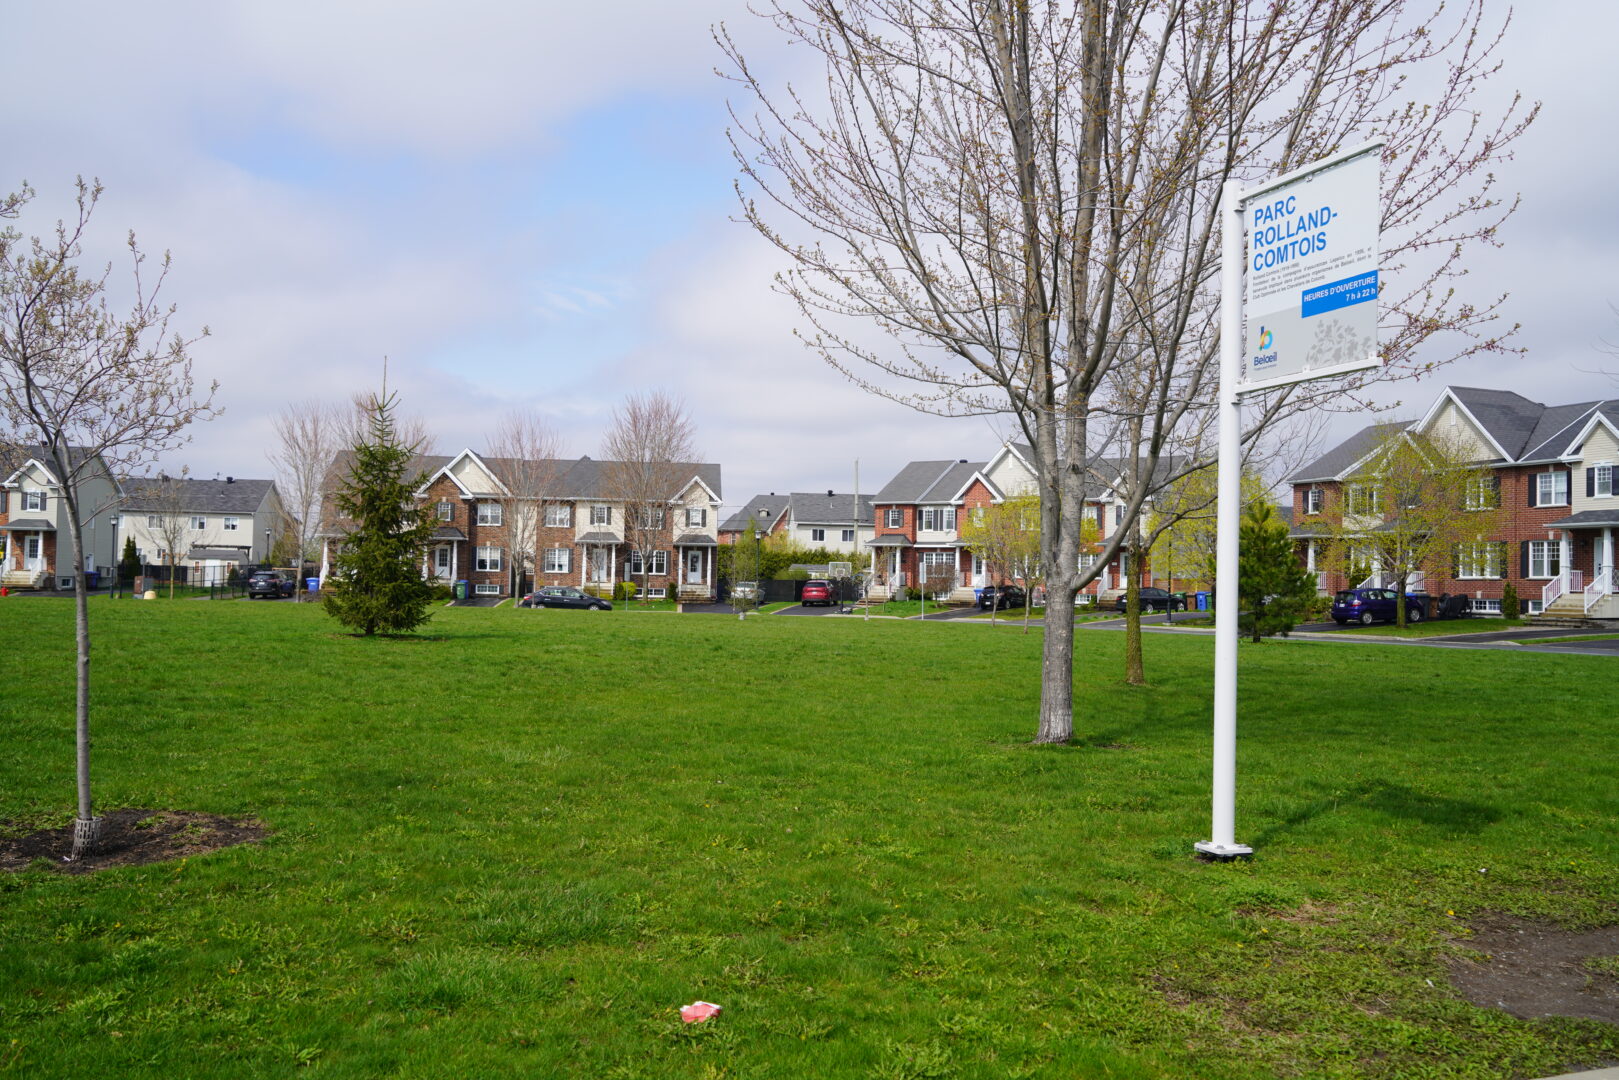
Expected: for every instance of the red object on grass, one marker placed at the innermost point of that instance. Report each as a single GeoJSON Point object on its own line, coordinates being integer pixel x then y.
{"type": "Point", "coordinates": [698, 1011]}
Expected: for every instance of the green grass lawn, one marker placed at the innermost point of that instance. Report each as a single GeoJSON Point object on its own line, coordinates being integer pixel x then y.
{"type": "Point", "coordinates": [515, 845]}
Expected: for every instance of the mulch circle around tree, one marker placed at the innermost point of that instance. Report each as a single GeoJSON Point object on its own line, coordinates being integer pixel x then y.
{"type": "Point", "coordinates": [131, 838]}
{"type": "Point", "coordinates": [1532, 970]}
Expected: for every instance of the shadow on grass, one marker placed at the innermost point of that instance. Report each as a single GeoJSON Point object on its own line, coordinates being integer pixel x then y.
{"type": "Point", "coordinates": [1394, 800]}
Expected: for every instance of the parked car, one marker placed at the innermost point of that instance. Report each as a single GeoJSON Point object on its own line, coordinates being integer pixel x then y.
{"type": "Point", "coordinates": [1367, 606]}
{"type": "Point", "coordinates": [1153, 600]}
{"type": "Point", "coordinates": [1000, 597]}
{"type": "Point", "coordinates": [745, 590]}
{"type": "Point", "coordinates": [565, 596]}
{"type": "Point", "coordinates": [817, 591]}
{"type": "Point", "coordinates": [268, 583]}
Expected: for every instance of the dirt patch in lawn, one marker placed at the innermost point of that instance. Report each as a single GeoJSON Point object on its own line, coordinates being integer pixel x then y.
{"type": "Point", "coordinates": [130, 838]}
{"type": "Point", "coordinates": [1532, 970]}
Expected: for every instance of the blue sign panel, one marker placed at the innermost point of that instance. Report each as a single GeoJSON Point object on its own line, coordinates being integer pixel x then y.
{"type": "Point", "coordinates": [1338, 294]}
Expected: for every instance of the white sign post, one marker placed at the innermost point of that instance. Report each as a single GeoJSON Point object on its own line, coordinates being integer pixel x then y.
{"type": "Point", "coordinates": [1310, 260]}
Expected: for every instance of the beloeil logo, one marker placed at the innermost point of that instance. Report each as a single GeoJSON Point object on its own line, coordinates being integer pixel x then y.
{"type": "Point", "coordinates": [1264, 358]}
{"type": "Point", "coordinates": [1264, 339]}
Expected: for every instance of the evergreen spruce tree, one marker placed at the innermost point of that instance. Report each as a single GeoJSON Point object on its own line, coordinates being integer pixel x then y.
{"type": "Point", "coordinates": [1273, 588]}
{"type": "Point", "coordinates": [129, 567]}
{"type": "Point", "coordinates": [377, 582]}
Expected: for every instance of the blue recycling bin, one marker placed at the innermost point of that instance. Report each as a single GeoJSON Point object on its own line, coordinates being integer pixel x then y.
{"type": "Point", "coordinates": [1202, 601]}
{"type": "Point", "coordinates": [312, 584]}
{"type": "Point", "coordinates": [92, 580]}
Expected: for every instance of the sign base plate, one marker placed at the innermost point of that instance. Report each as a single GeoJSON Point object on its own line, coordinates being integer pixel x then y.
{"type": "Point", "coordinates": [1226, 852]}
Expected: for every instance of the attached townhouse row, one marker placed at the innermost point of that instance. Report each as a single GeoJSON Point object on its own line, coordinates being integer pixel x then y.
{"type": "Point", "coordinates": [216, 525]}
{"type": "Point", "coordinates": [921, 511]}
{"type": "Point", "coordinates": [806, 519]}
{"type": "Point", "coordinates": [577, 528]}
{"type": "Point", "coordinates": [1553, 473]}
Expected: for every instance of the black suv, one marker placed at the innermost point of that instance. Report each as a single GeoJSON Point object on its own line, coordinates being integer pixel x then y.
{"type": "Point", "coordinates": [1154, 600]}
{"type": "Point", "coordinates": [1000, 597]}
{"type": "Point", "coordinates": [268, 583]}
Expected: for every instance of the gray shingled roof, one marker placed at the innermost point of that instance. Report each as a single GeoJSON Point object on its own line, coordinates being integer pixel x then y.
{"type": "Point", "coordinates": [196, 496]}
{"type": "Point", "coordinates": [29, 525]}
{"type": "Point", "coordinates": [582, 478]}
{"type": "Point", "coordinates": [1557, 428]}
{"type": "Point", "coordinates": [1509, 418]}
{"type": "Point", "coordinates": [1334, 462]}
{"type": "Point", "coordinates": [1114, 467]}
{"type": "Point", "coordinates": [764, 509]}
{"type": "Point", "coordinates": [928, 481]}
{"type": "Point", "coordinates": [819, 508]}
{"type": "Point", "coordinates": [1586, 519]}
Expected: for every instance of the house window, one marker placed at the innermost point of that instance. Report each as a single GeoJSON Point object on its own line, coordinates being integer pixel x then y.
{"type": "Point", "coordinates": [446, 510]}
{"type": "Point", "coordinates": [696, 517]}
{"type": "Point", "coordinates": [1363, 499]}
{"type": "Point", "coordinates": [848, 536]}
{"type": "Point", "coordinates": [482, 589]}
{"type": "Point", "coordinates": [231, 524]}
{"type": "Point", "coordinates": [652, 517]}
{"type": "Point", "coordinates": [1602, 479]}
{"type": "Point", "coordinates": [601, 515]}
{"type": "Point", "coordinates": [1545, 556]}
{"type": "Point", "coordinates": [1485, 607]}
{"type": "Point", "coordinates": [558, 560]}
{"type": "Point", "coordinates": [198, 523]}
{"type": "Point", "coordinates": [488, 558]}
{"type": "Point", "coordinates": [659, 560]}
{"type": "Point", "coordinates": [1312, 500]}
{"type": "Point", "coordinates": [929, 518]}
{"type": "Point", "coordinates": [1483, 493]}
{"type": "Point", "coordinates": [559, 515]}
{"type": "Point", "coordinates": [1551, 488]}
{"type": "Point", "coordinates": [489, 513]}
{"type": "Point", "coordinates": [895, 518]}
{"type": "Point", "coordinates": [151, 521]}
{"type": "Point", "coordinates": [1086, 562]}
{"type": "Point", "coordinates": [33, 500]}
{"type": "Point", "coordinates": [817, 536]}
{"type": "Point", "coordinates": [657, 594]}
{"type": "Point", "coordinates": [1481, 560]}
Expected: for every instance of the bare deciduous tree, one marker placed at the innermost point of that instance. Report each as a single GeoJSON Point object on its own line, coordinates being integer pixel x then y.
{"type": "Point", "coordinates": [163, 499]}
{"type": "Point", "coordinates": [91, 386]}
{"type": "Point", "coordinates": [307, 438]}
{"type": "Point", "coordinates": [1025, 194]}
{"type": "Point", "coordinates": [648, 454]}
{"type": "Point", "coordinates": [525, 450]}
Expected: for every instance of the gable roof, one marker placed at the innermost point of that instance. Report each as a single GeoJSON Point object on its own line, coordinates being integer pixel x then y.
{"type": "Point", "coordinates": [764, 509]}
{"type": "Point", "coordinates": [929, 481]}
{"type": "Point", "coordinates": [15, 458]}
{"type": "Point", "coordinates": [196, 496]}
{"type": "Point", "coordinates": [1346, 455]}
{"type": "Point", "coordinates": [823, 508]}
{"type": "Point", "coordinates": [582, 478]}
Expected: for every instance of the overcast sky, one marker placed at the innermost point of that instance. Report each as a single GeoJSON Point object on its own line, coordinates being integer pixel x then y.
{"type": "Point", "coordinates": [530, 205]}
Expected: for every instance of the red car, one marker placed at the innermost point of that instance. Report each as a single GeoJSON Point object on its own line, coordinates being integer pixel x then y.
{"type": "Point", "coordinates": [818, 592]}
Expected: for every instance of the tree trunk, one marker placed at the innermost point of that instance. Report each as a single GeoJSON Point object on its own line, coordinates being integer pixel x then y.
{"type": "Point", "coordinates": [1399, 601]}
{"type": "Point", "coordinates": [1057, 665]}
{"type": "Point", "coordinates": [1134, 669]}
{"type": "Point", "coordinates": [86, 827]}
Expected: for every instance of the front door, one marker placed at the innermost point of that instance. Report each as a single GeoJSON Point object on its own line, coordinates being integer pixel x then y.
{"type": "Point", "coordinates": [694, 567]}
{"type": "Point", "coordinates": [441, 561]}
{"type": "Point", "coordinates": [33, 556]}
{"type": "Point", "coordinates": [600, 557]}
{"type": "Point", "coordinates": [978, 573]}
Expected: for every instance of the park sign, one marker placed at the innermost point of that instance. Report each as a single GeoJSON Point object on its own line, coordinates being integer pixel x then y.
{"type": "Point", "coordinates": [1311, 268]}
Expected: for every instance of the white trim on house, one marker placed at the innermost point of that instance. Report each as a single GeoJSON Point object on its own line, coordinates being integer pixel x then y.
{"type": "Point", "coordinates": [995, 493]}
{"type": "Point", "coordinates": [1433, 414]}
{"type": "Point", "coordinates": [1577, 447]}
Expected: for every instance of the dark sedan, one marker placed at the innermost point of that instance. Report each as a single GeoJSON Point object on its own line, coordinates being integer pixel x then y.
{"type": "Point", "coordinates": [1367, 606]}
{"type": "Point", "coordinates": [1154, 600]}
{"type": "Point", "coordinates": [564, 596]}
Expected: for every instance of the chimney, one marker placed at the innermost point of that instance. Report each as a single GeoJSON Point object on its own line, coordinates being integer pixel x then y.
{"type": "Point", "coordinates": [829, 493]}
{"type": "Point", "coordinates": [230, 479]}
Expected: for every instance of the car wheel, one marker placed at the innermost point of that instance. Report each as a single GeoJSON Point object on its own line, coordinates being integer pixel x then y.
{"type": "Point", "coordinates": [1414, 615]}
{"type": "Point", "coordinates": [597, 607]}
{"type": "Point", "coordinates": [1366, 618]}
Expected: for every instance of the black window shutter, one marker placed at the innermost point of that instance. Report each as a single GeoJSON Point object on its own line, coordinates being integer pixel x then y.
{"type": "Point", "coordinates": [1502, 554]}
{"type": "Point", "coordinates": [1495, 492]}
{"type": "Point", "coordinates": [1534, 488]}
{"type": "Point", "coordinates": [1455, 561]}
{"type": "Point", "coordinates": [1523, 561]}
{"type": "Point", "coordinates": [1590, 482]}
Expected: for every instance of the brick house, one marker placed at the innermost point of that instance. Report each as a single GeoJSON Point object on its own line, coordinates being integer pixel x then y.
{"type": "Point", "coordinates": [577, 531]}
{"type": "Point", "coordinates": [35, 548]}
{"type": "Point", "coordinates": [1553, 471]}
{"type": "Point", "coordinates": [919, 513]}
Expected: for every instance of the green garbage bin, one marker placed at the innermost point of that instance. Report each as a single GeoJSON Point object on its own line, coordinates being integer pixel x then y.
{"type": "Point", "coordinates": [461, 590]}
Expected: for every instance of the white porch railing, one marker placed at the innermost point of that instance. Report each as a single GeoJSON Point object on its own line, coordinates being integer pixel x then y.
{"type": "Point", "coordinates": [1601, 585]}
{"type": "Point", "coordinates": [1555, 588]}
